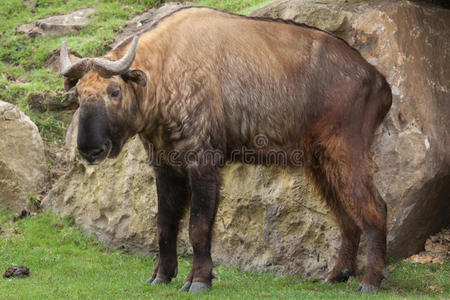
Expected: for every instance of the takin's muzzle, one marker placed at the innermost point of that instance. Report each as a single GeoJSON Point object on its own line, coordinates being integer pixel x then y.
{"type": "Point", "coordinates": [93, 141]}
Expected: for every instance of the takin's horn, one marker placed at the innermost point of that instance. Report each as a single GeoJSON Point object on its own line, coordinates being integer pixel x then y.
{"type": "Point", "coordinates": [118, 67]}
{"type": "Point", "coordinates": [103, 66]}
{"type": "Point", "coordinates": [70, 70]}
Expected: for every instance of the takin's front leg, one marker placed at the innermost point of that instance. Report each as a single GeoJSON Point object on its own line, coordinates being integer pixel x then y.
{"type": "Point", "coordinates": [204, 183]}
{"type": "Point", "coordinates": [173, 198]}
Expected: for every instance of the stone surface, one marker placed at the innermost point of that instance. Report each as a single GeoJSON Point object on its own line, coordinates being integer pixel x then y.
{"type": "Point", "coordinates": [269, 218]}
{"type": "Point", "coordinates": [22, 163]}
{"type": "Point", "coordinates": [58, 25]}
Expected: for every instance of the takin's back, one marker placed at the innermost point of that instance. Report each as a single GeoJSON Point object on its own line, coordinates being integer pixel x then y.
{"type": "Point", "coordinates": [260, 76]}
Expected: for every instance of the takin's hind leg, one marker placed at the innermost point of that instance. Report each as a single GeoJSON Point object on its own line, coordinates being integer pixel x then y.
{"type": "Point", "coordinates": [357, 194]}
{"type": "Point", "coordinates": [350, 232]}
{"type": "Point", "coordinates": [374, 222]}
{"type": "Point", "coordinates": [348, 171]}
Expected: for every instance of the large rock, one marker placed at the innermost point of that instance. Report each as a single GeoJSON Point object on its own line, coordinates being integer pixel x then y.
{"type": "Point", "coordinates": [58, 25]}
{"type": "Point", "coordinates": [23, 172]}
{"type": "Point", "coordinates": [269, 218]}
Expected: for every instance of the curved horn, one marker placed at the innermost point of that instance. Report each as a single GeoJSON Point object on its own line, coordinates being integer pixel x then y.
{"type": "Point", "coordinates": [118, 67]}
{"type": "Point", "coordinates": [70, 70]}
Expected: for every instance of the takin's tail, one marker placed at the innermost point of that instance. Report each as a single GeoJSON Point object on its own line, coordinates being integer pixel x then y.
{"type": "Point", "coordinates": [384, 96]}
{"type": "Point", "coordinates": [379, 102]}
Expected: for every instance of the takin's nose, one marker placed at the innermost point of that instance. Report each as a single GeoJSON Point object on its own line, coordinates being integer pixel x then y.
{"type": "Point", "coordinates": [94, 155]}
{"type": "Point", "coordinates": [91, 155]}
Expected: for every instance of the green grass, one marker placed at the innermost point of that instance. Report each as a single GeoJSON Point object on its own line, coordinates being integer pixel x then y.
{"type": "Point", "coordinates": [241, 6]}
{"type": "Point", "coordinates": [66, 264]}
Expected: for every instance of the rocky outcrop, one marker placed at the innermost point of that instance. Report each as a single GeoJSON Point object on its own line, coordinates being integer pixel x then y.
{"type": "Point", "coordinates": [58, 25]}
{"type": "Point", "coordinates": [269, 218]}
{"type": "Point", "coordinates": [23, 172]}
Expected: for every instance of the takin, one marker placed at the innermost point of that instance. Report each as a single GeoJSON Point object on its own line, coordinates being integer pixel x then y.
{"type": "Point", "coordinates": [204, 87]}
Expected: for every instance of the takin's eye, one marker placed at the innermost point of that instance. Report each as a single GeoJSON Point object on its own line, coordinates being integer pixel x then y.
{"type": "Point", "coordinates": [113, 91]}
{"type": "Point", "coordinates": [115, 94]}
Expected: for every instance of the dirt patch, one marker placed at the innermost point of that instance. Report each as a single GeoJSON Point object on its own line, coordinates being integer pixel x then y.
{"type": "Point", "coordinates": [47, 101]}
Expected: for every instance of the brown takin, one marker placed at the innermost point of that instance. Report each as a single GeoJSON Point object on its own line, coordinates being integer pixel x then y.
{"type": "Point", "coordinates": [204, 87]}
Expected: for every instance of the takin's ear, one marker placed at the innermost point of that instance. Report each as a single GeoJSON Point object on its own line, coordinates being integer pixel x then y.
{"type": "Point", "coordinates": [69, 83]}
{"type": "Point", "coordinates": [136, 76]}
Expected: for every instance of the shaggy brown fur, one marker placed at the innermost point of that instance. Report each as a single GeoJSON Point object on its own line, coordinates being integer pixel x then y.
{"type": "Point", "coordinates": [222, 82]}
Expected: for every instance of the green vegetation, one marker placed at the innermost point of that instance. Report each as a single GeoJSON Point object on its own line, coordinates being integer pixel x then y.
{"type": "Point", "coordinates": [66, 264]}
{"type": "Point", "coordinates": [238, 6]}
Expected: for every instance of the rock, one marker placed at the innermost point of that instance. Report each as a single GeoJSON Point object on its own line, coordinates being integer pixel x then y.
{"type": "Point", "coordinates": [58, 25]}
{"type": "Point", "coordinates": [22, 163]}
{"type": "Point", "coordinates": [19, 271]}
{"type": "Point", "coordinates": [270, 218]}
{"type": "Point", "coordinates": [142, 22]}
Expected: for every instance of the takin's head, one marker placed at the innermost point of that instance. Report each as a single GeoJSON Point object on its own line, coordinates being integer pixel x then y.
{"type": "Point", "coordinates": [109, 113]}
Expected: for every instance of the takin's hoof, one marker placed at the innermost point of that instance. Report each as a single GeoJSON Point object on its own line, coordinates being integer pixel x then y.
{"type": "Point", "coordinates": [185, 287]}
{"type": "Point", "coordinates": [367, 289]}
{"type": "Point", "coordinates": [385, 274]}
{"type": "Point", "coordinates": [157, 280]}
{"type": "Point", "coordinates": [199, 287]}
{"type": "Point", "coordinates": [343, 276]}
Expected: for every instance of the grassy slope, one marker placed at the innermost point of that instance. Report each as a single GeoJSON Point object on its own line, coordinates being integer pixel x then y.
{"type": "Point", "coordinates": [66, 264]}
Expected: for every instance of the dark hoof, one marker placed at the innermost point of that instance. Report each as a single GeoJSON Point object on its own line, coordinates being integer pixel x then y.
{"type": "Point", "coordinates": [185, 287]}
{"type": "Point", "coordinates": [329, 281]}
{"type": "Point", "coordinates": [385, 274]}
{"type": "Point", "coordinates": [199, 287]}
{"type": "Point", "coordinates": [214, 274]}
{"type": "Point", "coordinates": [343, 276]}
{"type": "Point", "coordinates": [158, 280]}
{"type": "Point", "coordinates": [367, 289]}
{"type": "Point", "coordinates": [150, 280]}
